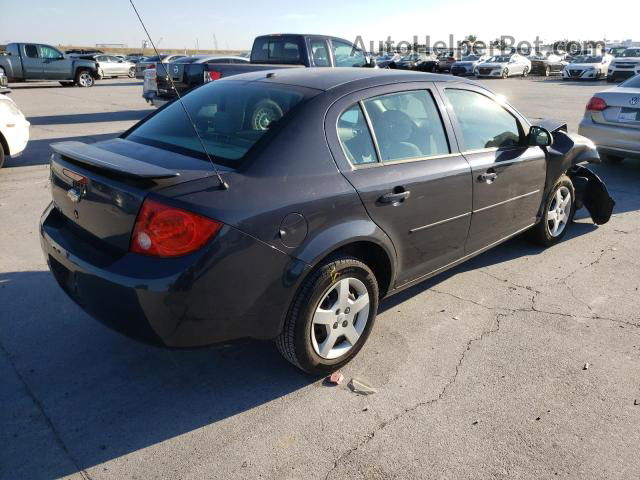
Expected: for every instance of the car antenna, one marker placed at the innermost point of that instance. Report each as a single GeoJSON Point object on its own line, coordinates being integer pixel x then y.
{"type": "Point", "coordinates": [223, 184]}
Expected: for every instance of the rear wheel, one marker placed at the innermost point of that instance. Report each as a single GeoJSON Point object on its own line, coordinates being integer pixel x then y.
{"type": "Point", "coordinates": [547, 71]}
{"type": "Point", "coordinates": [84, 79]}
{"type": "Point", "coordinates": [1, 155]}
{"type": "Point", "coordinates": [611, 159]}
{"type": "Point", "coordinates": [557, 215]}
{"type": "Point", "coordinates": [331, 317]}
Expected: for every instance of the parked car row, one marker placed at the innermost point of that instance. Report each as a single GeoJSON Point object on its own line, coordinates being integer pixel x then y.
{"type": "Point", "coordinates": [164, 80]}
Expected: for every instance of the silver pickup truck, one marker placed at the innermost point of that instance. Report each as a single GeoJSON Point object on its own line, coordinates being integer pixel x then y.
{"type": "Point", "coordinates": [34, 61]}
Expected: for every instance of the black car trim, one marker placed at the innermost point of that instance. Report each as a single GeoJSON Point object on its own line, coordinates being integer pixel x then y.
{"type": "Point", "coordinates": [506, 201]}
{"type": "Point", "coordinates": [435, 224]}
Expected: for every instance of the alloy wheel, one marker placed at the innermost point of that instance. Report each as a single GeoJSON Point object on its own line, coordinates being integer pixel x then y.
{"type": "Point", "coordinates": [559, 211]}
{"type": "Point", "coordinates": [85, 80]}
{"type": "Point", "coordinates": [340, 318]}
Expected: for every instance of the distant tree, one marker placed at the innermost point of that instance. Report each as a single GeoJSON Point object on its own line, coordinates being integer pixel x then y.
{"type": "Point", "coordinates": [499, 43]}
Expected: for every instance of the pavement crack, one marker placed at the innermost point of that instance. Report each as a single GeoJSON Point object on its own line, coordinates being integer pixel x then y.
{"type": "Point", "coordinates": [382, 425]}
{"type": "Point", "coordinates": [40, 407]}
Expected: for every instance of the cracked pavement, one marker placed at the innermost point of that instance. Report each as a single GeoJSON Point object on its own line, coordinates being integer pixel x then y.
{"type": "Point", "coordinates": [479, 372]}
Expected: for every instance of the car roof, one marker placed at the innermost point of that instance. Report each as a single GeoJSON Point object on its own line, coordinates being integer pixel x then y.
{"type": "Point", "coordinates": [331, 78]}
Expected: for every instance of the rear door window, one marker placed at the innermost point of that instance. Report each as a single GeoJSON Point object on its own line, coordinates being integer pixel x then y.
{"type": "Point", "coordinates": [355, 137]}
{"type": "Point", "coordinates": [31, 51]}
{"type": "Point", "coordinates": [320, 53]}
{"type": "Point", "coordinates": [407, 126]}
{"type": "Point", "coordinates": [483, 122]}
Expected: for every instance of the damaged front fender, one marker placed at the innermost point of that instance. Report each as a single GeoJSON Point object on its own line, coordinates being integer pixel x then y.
{"type": "Point", "coordinates": [568, 154]}
{"type": "Point", "coordinates": [592, 193]}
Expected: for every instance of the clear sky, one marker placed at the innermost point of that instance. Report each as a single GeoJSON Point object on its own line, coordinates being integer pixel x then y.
{"type": "Point", "coordinates": [187, 23]}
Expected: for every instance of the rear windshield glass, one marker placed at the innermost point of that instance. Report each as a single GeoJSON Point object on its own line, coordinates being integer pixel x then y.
{"type": "Point", "coordinates": [285, 50]}
{"type": "Point", "coordinates": [229, 116]}
{"type": "Point", "coordinates": [633, 82]}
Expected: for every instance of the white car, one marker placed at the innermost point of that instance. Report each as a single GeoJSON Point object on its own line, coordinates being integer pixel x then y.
{"type": "Point", "coordinates": [587, 67]}
{"type": "Point", "coordinates": [504, 66]}
{"type": "Point", "coordinates": [625, 65]}
{"type": "Point", "coordinates": [14, 129]}
{"type": "Point", "coordinates": [110, 66]}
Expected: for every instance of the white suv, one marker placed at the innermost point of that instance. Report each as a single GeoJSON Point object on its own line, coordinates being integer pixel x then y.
{"type": "Point", "coordinates": [624, 66]}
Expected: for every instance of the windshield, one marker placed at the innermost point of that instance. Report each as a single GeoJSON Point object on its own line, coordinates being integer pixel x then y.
{"type": "Point", "coordinates": [499, 59]}
{"type": "Point", "coordinates": [470, 58]}
{"type": "Point", "coordinates": [230, 117]}
{"type": "Point", "coordinates": [631, 52]}
{"type": "Point", "coordinates": [586, 59]}
{"type": "Point", "coordinates": [633, 82]}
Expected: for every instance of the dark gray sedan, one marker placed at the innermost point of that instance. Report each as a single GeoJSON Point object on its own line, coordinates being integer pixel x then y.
{"type": "Point", "coordinates": [297, 200]}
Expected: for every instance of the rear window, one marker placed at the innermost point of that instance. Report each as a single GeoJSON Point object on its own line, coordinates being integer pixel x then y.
{"type": "Point", "coordinates": [284, 50]}
{"type": "Point", "coordinates": [230, 117]}
{"type": "Point", "coordinates": [633, 82]}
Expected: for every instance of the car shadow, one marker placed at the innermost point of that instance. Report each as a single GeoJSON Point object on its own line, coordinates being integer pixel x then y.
{"type": "Point", "coordinates": [83, 118]}
{"type": "Point", "coordinates": [107, 395]}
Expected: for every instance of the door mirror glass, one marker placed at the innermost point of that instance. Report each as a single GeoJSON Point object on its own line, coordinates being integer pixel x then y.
{"type": "Point", "coordinates": [540, 137]}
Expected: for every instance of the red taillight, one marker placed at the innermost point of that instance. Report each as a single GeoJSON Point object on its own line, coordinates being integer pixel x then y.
{"type": "Point", "coordinates": [211, 76]}
{"type": "Point", "coordinates": [165, 231]}
{"type": "Point", "coordinates": [596, 104]}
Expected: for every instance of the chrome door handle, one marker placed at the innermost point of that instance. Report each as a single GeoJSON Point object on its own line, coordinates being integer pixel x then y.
{"type": "Point", "coordinates": [395, 198]}
{"type": "Point", "coordinates": [488, 177]}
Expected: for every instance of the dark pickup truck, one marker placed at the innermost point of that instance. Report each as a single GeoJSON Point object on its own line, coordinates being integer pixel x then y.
{"type": "Point", "coordinates": [268, 52]}
{"type": "Point", "coordinates": [34, 61]}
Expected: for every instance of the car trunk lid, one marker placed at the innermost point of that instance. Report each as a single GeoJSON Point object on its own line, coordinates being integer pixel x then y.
{"type": "Point", "coordinates": [623, 107]}
{"type": "Point", "coordinates": [99, 189]}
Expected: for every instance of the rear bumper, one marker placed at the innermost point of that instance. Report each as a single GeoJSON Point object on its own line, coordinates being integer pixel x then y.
{"type": "Point", "coordinates": [610, 138]}
{"type": "Point", "coordinates": [234, 288]}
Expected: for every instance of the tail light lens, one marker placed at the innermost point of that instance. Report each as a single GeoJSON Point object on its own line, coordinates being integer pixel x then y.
{"type": "Point", "coordinates": [211, 76]}
{"type": "Point", "coordinates": [165, 231]}
{"type": "Point", "coordinates": [596, 104]}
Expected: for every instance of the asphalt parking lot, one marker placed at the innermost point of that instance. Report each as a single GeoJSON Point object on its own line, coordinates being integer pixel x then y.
{"type": "Point", "coordinates": [480, 372]}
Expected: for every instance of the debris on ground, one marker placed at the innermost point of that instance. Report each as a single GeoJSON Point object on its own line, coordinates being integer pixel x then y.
{"type": "Point", "coordinates": [456, 318]}
{"type": "Point", "coordinates": [586, 366]}
{"type": "Point", "coordinates": [361, 388]}
{"type": "Point", "coordinates": [475, 422]}
{"type": "Point", "coordinates": [336, 378]}
{"type": "Point", "coordinates": [367, 408]}
{"type": "Point", "coordinates": [636, 402]}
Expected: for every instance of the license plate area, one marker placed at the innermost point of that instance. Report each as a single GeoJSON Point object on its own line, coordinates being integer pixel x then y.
{"type": "Point", "coordinates": [629, 115]}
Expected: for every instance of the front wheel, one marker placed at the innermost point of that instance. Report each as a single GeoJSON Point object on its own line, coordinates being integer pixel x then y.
{"type": "Point", "coordinates": [1, 156]}
{"type": "Point", "coordinates": [525, 72]}
{"type": "Point", "coordinates": [132, 72]}
{"type": "Point", "coordinates": [547, 71]}
{"type": "Point", "coordinates": [331, 317]}
{"type": "Point", "coordinates": [84, 79]}
{"type": "Point", "coordinates": [557, 215]}
{"type": "Point", "coordinates": [505, 73]}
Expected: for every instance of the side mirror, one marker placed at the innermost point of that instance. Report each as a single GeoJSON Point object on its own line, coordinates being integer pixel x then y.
{"type": "Point", "coordinates": [540, 137]}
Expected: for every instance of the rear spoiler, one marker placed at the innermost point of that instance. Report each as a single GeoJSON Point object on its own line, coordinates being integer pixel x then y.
{"type": "Point", "coordinates": [113, 162]}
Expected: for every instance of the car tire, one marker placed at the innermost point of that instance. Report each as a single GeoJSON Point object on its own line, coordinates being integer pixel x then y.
{"type": "Point", "coordinates": [525, 72]}
{"type": "Point", "coordinates": [547, 71]}
{"type": "Point", "coordinates": [132, 72]}
{"type": "Point", "coordinates": [84, 79]}
{"type": "Point", "coordinates": [312, 338]}
{"type": "Point", "coordinates": [505, 73]}
{"type": "Point", "coordinates": [264, 113]}
{"type": "Point", "coordinates": [546, 232]}
{"type": "Point", "coordinates": [611, 159]}
{"type": "Point", "coordinates": [1, 154]}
